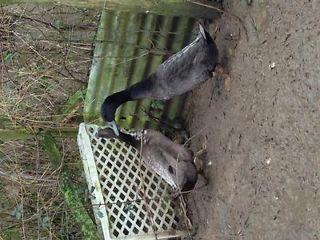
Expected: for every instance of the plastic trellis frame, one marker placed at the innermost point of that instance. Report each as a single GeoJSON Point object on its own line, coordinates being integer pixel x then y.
{"type": "Point", "coordinates": [129, 200]}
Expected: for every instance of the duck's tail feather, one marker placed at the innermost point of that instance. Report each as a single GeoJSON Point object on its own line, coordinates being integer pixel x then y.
{"type": "Point", "coordinates": [205, 34]}
{"type": "Point", "coordinates": [202, 31]}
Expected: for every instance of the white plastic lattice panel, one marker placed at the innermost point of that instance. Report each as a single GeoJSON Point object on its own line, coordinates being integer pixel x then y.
{"type": "Point", "coordinates": [130, 200]}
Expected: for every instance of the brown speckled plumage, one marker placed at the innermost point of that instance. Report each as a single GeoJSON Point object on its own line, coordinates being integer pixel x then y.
{"type": "Point", "coordinates": [170, 160]}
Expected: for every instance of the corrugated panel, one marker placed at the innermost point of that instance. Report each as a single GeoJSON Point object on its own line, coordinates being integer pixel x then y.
{"type": "Point", "coordinates": [128, 47]}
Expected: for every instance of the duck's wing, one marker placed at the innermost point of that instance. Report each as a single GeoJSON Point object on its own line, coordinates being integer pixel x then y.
{"type": "Point", "coordinates": [161, 141]}
{"type": "Point", "coordinates": [160, 162]}
{"type": "Point", "coordinates": [180, 60]}
{"type": "Point", "coordinates": [184, 70]}
{"type": "Point", "coordinates": [204, 33]}
{"type": "Point", "coordinates": [203, 45]}
{"type": "Point", "coordinates": [179, 73]}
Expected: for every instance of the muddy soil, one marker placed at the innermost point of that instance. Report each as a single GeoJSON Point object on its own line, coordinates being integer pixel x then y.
{"type": "Point", "coordinates": [263, 157]}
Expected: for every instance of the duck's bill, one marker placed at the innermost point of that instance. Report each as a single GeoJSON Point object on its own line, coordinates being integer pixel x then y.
{"type": "Point", "coordinates": [114, 127]}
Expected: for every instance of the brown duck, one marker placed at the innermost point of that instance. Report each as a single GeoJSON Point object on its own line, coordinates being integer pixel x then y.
{"type": "Point", "coordinates": [170, 160]}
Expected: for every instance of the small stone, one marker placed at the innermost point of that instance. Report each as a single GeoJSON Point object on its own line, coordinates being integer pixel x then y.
{"type": "Point", "coordinates": [268, 161]}
{"type": "Point", "coordinates": [272, 65]}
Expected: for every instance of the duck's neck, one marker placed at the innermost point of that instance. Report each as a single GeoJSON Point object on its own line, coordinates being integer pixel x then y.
{"type": "Point", "coordinates": [137, 91]}
{"type": "Point", "coordinates": [131, 140]}
{"type": "Point", "coordinates": [142, 89]}
{"type": "Point", "coordinates": [112, 102]}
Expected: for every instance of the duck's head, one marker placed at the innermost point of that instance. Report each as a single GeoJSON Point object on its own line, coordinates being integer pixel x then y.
{"type": "Point", "coordinates": [108, 110]}
{"type": "Point", "coordinates": [110, 105]}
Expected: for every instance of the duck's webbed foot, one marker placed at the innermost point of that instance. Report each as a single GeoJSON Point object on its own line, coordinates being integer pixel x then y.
{"type": "Point", "coordinates": [222, 81]}
{"type": "Point", "coordinates": [200, 156]}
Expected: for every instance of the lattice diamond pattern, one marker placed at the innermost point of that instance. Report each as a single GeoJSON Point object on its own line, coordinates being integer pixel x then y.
{"type": "Point", "coordinates": [124, 179]}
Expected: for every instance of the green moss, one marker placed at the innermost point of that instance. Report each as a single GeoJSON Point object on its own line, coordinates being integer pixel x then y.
{"type": "Point", "coordinates": [71, 197]}
{"type": "Point", "coordinates": [10, 234]}
{"type": "Point", "coordinates": [70, 193]}
{"type": "Point", "coordinates": [162, 7]}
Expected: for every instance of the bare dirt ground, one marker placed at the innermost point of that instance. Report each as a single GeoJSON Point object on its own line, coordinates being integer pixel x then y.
{"type": "Point", "coordinates": [263, 135]}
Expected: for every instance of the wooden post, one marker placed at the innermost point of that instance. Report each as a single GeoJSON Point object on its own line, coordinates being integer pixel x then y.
{"type": "Point", "coordinates": [24, 133]}
{"type": "Point", "coordinates": [188, 8]}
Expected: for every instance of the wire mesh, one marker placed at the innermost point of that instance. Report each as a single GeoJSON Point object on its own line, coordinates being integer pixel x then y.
{"type": "Point", "coordinates": [136, 199]}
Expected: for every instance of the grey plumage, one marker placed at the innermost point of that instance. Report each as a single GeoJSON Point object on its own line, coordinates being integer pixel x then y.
{"type": "Point", "coordinates": [179, 74]}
